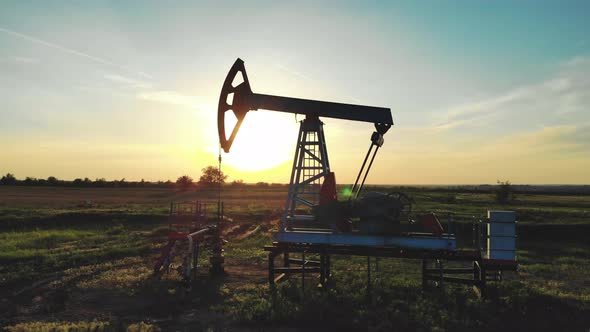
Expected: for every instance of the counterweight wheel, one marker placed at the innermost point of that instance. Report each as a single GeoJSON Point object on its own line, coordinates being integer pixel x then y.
{"type": "Point", "coordinates": [233, 98]}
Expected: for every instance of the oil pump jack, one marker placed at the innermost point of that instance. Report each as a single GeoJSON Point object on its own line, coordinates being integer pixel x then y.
{"type": "Point", "coordinates": [312, 212]}
{"type": "Point", "coordinates": [315, 222]}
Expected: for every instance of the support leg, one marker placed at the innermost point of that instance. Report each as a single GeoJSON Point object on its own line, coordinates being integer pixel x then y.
{"type": "Point", "coordinates": [483, 279]}
{"type": "Point", "coordinates": [271, 268]}
{"type": "Point", "coordinates": [303, 273]}
{"type": "Point", "coordinates": [424, 280]}
{"type": "Point", "coordinates": [368, 276]}
{"type": "Point", "coordinates": [323, 270]}
{"type": "Point", "coordinates": [439, 264]}
{"type": "Point", "coordinates": [328, 268]}
{"type": "Point", "coordinates": [195, 260]}
{"type": "Point", "coordinates": [479, 277]}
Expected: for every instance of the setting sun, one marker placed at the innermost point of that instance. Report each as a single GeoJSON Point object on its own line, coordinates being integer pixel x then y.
{"type": "Point", "coordinates": [265, 140]}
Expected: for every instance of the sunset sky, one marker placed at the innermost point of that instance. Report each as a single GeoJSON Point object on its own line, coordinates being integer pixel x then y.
{"type": "Point", "coordinates": [479, 90]}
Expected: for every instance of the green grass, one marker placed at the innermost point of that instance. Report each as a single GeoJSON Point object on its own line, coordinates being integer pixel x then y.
{"type": "Point", "coordinates": [397, 302]}
{"type": "Point", "coordinates": [98, 326]}
{"type": "Point", "coordinates": [251, 249]}
{"type": "Point", "coordinates": [400, 304]}
{"type": "Point", "coordinates": [81, 326]}
{"type": "Point", "coordinates": [31, 254]}
{"type": "Point", "coordinates": [102, 252]}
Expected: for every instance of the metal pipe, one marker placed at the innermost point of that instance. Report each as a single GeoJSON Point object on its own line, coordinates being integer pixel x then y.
{"type": "Point", "coordinates": [201, 231]}
{"type": "Point", "coordinates": [367, 172]}
{"type": "Point", "coordinates": [191, 235]}
{"type": "Point", "coordinates": [361, 171]}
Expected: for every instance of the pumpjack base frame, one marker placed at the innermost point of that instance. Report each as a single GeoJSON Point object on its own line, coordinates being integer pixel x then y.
{"type": "Point", "coordinates": [411, 241]}
{"type": "Point", "coordinates": [481, 270]}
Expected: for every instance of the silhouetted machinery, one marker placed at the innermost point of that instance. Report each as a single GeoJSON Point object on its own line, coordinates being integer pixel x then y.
{"type": "Point", "coordinates": [373, 224]}
{"type": "Point", "coordinates": [313, 214]}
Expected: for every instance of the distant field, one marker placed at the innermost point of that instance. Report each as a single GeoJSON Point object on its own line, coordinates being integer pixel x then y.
{"type": "Point", "coordinates": [68, 197]}
{"type": "Point", "coordinates": [531, 208]}
{"type": "Point", "coordinates": [82, 257]}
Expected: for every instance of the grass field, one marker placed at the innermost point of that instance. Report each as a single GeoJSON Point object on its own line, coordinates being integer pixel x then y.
{"type": "Point", "coordinates": [81, 259]}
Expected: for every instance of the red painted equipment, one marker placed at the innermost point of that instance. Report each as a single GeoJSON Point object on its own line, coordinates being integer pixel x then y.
{"type": "Point", "coordinates": [328, 191]}
{"type": "Point", "coordinates": [431, 223]}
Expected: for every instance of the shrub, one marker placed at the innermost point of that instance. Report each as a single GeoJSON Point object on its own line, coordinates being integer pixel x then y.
{"type": "Point", "coordinates": [237, 183]}
{"type": "Point", "coordinates": [184, 182]}
{"type": "Point", "coordinates": [8, 179]}
{"type": "Point", "coordinates": [52, 181]}
{"type": "Point", "coordinates": [504, 192]}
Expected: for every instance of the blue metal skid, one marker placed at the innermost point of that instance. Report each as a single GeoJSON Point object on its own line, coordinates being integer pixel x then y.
{"type": "Point", "coordinates": [413, 241]}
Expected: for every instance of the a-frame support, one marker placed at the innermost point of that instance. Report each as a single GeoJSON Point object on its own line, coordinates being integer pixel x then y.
{"type": "Point", "coordinates": [310, 166]}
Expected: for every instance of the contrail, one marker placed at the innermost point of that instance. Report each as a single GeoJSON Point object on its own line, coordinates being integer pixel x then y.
{"type": "Point", "coordinates": [74, 52]}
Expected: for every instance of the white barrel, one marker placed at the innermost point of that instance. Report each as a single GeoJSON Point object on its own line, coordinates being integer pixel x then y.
{"type": "Point", "coordinates": [502, 235]}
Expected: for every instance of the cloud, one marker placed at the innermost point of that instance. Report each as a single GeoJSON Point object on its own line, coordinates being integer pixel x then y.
{"type": "Point", "coordinates": [547, 143]}
{"type": "Point", "coordinates": [292, 72]}
{"type": "Point", "coordinates": [556, 140]}
{"type": "Point", "coordinates": [174, 98]}
{"type": "Point", "coordinates": [139, 84]}
{"type": "Point", "coordinates": [534, 133]}
{"type": "Point", "coordinates": [26, 60]}
{"type": "Point", "coordinates": [146, 92]}
{"type": "Point", "coordinates": [73, 52]}
{"type": "Point", "coordinates": [567, 93]}
{"type": "Point", "coordinates": [553, 154]}
{"type": "Point", "coordinates": [19, 59]}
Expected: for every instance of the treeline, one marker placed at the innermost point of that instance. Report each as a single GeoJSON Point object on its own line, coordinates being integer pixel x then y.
{"type": "Point", "coordinates": [569, 189]}
{"type": "Point", "coordinates": [210, 178]}
{"type": "Point", "coordinates": [183, 182]}
{"type": "Point", "coordinates": [10, 179]}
